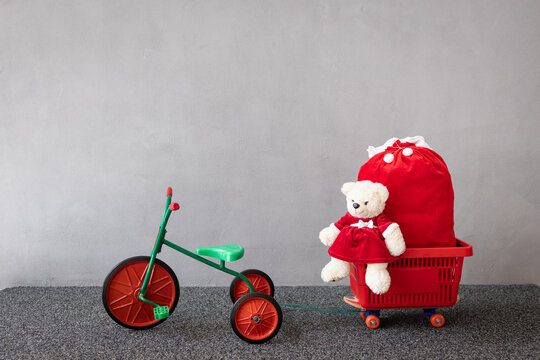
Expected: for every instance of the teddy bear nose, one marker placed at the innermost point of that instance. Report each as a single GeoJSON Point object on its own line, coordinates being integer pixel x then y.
{"type": "Point", "coordinates": [355, 205]}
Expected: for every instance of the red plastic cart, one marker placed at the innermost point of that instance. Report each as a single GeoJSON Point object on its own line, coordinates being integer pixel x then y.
{"type": "Point", "coordinates": [426, 278]}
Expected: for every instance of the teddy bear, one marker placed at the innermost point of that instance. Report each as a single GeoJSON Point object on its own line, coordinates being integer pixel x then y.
{"type": "Point", "coordinates": [363, 236]}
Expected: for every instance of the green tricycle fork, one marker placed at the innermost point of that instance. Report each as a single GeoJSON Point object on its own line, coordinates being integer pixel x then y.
{"type": "Point", "coordinates": [162, 312]}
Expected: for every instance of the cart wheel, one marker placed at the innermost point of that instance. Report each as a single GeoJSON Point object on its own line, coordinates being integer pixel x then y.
{"type": "Point", "coordinates": [373, 321]}
{"type": "Point", "coordinates": [437, 320]}
{"type": "Point", "coordinates": [256, 317]}
{"type": "Point", "coordinates": [122, 285]}
{"type": "Point", "coordinates": [261, 283]}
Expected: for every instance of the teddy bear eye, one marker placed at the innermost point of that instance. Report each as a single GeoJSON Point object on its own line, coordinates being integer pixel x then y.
{"type": "Point", "coordinates": [366, 202]}
{"type": "Point", "coordinates": [352, 200]}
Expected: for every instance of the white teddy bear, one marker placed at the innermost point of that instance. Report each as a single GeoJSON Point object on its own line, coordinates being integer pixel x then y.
{"type": "Point", "coordinates": [363, 236]}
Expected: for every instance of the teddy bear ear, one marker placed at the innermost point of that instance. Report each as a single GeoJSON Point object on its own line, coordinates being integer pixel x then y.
{"type": "Point", "coordinates": [347, 187]}
{"type": "Point", "coordinates": [381, 190]}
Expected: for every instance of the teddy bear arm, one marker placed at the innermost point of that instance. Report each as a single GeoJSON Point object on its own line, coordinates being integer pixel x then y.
{"type": "Point", "coordinates": [394, 240]}
{"type": "Point", "coordinates": [329, 234]}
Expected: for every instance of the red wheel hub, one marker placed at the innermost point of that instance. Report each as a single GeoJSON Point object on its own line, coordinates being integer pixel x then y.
{"type": "Point", "coordinates": [136, 293]}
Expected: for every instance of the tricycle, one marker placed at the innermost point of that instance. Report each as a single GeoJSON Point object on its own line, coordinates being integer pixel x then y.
{"type": "Point", "coordinates": [142, 291]}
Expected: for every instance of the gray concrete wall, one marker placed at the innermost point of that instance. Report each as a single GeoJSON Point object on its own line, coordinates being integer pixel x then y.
{"type": "Point", "coordinates": [256, 112]}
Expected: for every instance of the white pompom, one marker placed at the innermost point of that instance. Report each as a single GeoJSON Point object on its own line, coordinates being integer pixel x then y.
{"type": "Point", "coordinates": [407, 151]}
{"type": "Point", "coordinates": [388, 158]}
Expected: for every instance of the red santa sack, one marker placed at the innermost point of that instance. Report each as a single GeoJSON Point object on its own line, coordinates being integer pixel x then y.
{"type": "Point", "coordinates": [421, 195]}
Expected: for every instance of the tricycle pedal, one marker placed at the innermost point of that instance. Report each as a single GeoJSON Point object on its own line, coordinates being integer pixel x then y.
{"type": "Point", "coordinates": [161, 312]}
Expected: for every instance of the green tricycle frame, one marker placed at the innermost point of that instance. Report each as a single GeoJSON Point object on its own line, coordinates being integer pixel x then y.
{"type": "Point", "coordinates": [141, 292]}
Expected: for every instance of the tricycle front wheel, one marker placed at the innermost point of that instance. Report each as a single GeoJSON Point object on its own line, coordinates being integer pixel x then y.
{"type": "Point", "coordinates": [121, 290]}
{"type": "Point", "coordinates": [261, 283]}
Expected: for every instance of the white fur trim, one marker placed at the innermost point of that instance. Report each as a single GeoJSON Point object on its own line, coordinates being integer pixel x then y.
{"type": "Point", "coordinates": [416, 140]}
{"type": "Point", "coordinates": [388, 158]}
{"type": "Point", "coordinates": [372, 150]}
{"type": "Point", "coordinates": [407, 151]}
{"type": "Point", "coordinates": [389, 229]}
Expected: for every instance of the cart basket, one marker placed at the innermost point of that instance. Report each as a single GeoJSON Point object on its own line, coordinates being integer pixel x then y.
{"type": "Point", "coordinates": [421, 278]}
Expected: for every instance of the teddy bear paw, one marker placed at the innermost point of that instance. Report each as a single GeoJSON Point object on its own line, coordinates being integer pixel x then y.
{"type": "Point", "coordinates": [335, 270]}
{"type": "Point", "coordinates": [328, 235]}
{"type": "Point", "coordinates": [378, 279]}
{"type": "Point", "coordinates": [394, 242]}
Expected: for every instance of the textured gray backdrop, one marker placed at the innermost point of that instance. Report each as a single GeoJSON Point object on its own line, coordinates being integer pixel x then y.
{"type": "Point", "coordinates": [256, 112]}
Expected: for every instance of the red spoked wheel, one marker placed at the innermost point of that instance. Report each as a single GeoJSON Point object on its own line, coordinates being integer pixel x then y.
{"type": "Point", "coordinates": [121, 289]}
{"type": "Point", "coordinates": [373, 322]}
{"type": "Point", "coordinates": [261, 283]}
{"type": "Point", "coordinates": [256, 318]}
{"type": "Point", "coordinates": [437, 320]}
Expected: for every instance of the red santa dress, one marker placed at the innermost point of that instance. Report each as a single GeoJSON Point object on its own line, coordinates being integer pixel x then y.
{"type": "Point", "coordinates": [361, 241]}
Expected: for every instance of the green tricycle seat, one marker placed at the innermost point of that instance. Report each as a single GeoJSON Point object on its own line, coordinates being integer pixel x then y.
{"type": "Point", "coordinates": [230, 252]}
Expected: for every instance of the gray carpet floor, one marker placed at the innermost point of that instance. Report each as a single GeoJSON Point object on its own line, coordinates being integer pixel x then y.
{"type": "Point", "coordinates": [490, 322]}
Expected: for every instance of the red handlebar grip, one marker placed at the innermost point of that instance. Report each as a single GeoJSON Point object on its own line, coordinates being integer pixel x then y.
{"type": "Point", "coordinates": [169, 191]}
{"type": "Point", "coordinates": [174, 206]}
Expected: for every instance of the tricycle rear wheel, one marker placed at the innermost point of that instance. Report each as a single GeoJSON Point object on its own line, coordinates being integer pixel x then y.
{"type": "Point", "coordinates": [256, 317]}
{"type": "Point", "coordinates": [261, 283]}
{"type": "Point", "coordinates": [121, 289]}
